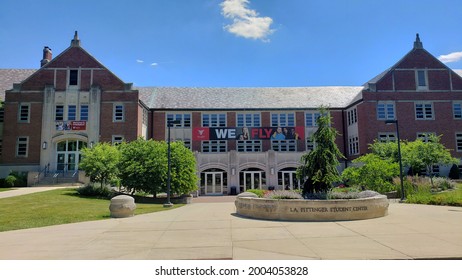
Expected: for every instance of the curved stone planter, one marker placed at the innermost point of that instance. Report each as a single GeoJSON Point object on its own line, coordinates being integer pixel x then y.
{"type": "Point", "coordinates": [312, 210]}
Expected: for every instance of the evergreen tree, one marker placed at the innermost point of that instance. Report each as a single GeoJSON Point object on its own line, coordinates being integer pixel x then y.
{"type": "Point", "coordinates": [319, 167]}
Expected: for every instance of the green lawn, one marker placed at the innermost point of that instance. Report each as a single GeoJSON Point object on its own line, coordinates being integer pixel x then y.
{"type": "Point", "coordinates": [5, 189]}
{"type": "Point", "coordinates": [61, 206]}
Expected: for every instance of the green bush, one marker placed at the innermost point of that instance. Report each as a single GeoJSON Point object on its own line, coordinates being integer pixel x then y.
{"type": "Point", "coordinates": [442, 184]}
{"type": "Point", "coordinates": [259, 193]}
{"type": "Point", "coordinates": [10, 180]}
{"type": "Point", "coordinates": [92, 191]}
{"type": "Point", "coordinates": [372, 172]}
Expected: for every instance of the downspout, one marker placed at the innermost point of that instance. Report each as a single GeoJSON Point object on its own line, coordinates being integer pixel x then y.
{"type": "Point", "coordinates": [345, 138]}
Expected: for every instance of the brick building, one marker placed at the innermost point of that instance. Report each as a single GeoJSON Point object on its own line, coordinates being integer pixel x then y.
{"type": "Point", "coordinates": [242, 137]}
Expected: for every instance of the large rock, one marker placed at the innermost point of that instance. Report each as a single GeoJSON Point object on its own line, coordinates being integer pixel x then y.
{"type": "Point", "coordinates": [122, 206]}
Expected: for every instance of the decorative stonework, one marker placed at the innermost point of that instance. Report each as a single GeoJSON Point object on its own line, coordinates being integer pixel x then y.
{"type": "Point", "coordinates": [312, 210]}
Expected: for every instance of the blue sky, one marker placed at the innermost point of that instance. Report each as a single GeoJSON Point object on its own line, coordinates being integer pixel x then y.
{"type": "Point", "coordinates": [233, 43]}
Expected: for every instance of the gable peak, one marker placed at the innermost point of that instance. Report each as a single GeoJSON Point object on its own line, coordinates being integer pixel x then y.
{"type": "Point", "coordinates": [418, 44]}
{"type": "Point", "coordinates": [75, 42]}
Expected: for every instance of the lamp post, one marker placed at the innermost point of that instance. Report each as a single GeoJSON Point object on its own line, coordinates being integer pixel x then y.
{"type": "Point", "coordinates": [170, 123]}
{"type": "Point", "coordinates": [399, 157]}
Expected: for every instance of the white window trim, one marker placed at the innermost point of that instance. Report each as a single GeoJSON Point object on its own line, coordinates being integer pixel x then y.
{"type": "Point", "coordinates": [218, 119]}
{"type": "Point", "coordinates": [389, 137]}
{"type": "Point", "coordinates": [287, 119]}
{"type": "Point", "coordinates": [425, 138]}
{"type": "Point", "coordinates": [421, 88]}
{"type": "Point", "coordinates": [453, 111]}
{"type": "Point", "coordinates": [284, 146]}
{"type": "Point", "coordinates": [423, 108]}
{"type": "Point", "coordinates": [219, 144]}
{"type": "Point", "coordinates": [17, 147]}
{"type": "Point", "coordinates": [114, 118]}
{"type": "Point", "coordinates": [458, 136]}
{"type": "Point", "coordinates": [116, 142]}
{"type": "Point", "coordinates": [28, 112]}
{"type": "Point", "coordinates": [387, 117]}
{"type": "Point", "coordinates": [252, 116]}
{"type": "Point", "coordinates": [251, 146]}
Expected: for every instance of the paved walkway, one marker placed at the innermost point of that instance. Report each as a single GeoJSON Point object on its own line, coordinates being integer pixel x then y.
{"type": "Point", "coordinates": [212, 231]}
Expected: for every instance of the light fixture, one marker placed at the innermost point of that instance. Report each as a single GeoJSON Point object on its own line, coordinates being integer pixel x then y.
{"type": "Point", "coordinates": [44, 145]}
{"type": "Point", "coordinates": [91, 144]}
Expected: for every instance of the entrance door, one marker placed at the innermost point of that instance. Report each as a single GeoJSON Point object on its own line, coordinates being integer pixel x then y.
{"type": "Point", "coordinates": [68, 155]}
{"type": "Point", "coordinates": [289, 180]}
{"type": "Point", "coordinates": [213, 183]}
{"type": "Point", "coordinates": [252, 180]}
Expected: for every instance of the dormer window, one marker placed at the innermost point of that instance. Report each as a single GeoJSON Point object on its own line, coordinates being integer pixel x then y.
{"type": "Point", "coordinates": [421, 77]}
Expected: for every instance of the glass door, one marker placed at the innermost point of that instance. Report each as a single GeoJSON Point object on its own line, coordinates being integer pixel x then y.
{"type": "Point", "coordinates": [213, 183]}
{"type": "Point", "coordinates": [252, 180]}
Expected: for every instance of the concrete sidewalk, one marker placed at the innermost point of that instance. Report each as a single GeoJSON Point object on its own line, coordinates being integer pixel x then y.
{"type": "Point", "coordinates": [29, 190]}
{"type": "Point", "coordinates": [212, 231]}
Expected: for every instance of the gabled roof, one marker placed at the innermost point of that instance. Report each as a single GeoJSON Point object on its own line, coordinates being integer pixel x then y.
{"type": "Point", "coordinates": [178, 98]}
{"type": "Point", "coordinates": [410, 61]}
{"type": "Point", "coordinates": [8, 77]}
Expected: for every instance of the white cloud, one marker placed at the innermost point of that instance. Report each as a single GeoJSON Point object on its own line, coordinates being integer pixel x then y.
{"type": "Point", "coordinates": [139, 61]}
{"type": "Point", "coordinates": [154, 64]}
{"type": "Point", "coordinates": [452, 57]}
{"type": "Point", "coordinates": [246, 22]}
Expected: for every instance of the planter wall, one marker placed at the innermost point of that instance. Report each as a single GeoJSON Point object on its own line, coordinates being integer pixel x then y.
{"type": "Point", "coordinates": [312, 210]}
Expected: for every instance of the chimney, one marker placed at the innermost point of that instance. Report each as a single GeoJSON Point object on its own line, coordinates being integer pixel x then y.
{"type": "Point", "coordinates": [47, 56]}
{"type": "Point", "coordinates": [75, 42]}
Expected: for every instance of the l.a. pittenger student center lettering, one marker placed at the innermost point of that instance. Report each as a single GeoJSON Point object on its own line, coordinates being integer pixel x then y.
{"type": "Point", "coordinates": [242, 138]}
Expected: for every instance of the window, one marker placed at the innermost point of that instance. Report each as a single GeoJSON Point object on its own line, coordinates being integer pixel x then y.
{"type": "Point", "coordinates": [71, 112]}
{"type": "Point", "coordinates": [283, 119]}
{"type": "Point", "coordinates": [24, 110]}
{"type": "Point", "coordinates": [421, 76]}
{"type": "Point", "coordinates": [2, 115]}
{"type": "Point", "coordinates": [459, 142]}
{"type": "Point", "coordinates": [352, 116]}
{"type": "Point", "coordinates": [248, 120]}
{"type": "Point", "coordinates": [385, 111]}
{"type": "Point", "coordinates": [310, 144]}
{"type": "Point", "coordinates": [117, 139]}
{"type": "Point", "coordinates": [385, 137]}
{"type": "Point", "coordinates": [73, 77]}
{"type": "Point", "coordinates": [84, 112]}
{"type": "Point", "coordinates": [457, 110]}
{"type": "Point", "coordinates": [59, 113]}
{"type": "Point", "coordinates": [284, 145]}
{"type": "Point", "coordinates": [311, 118]}
{"type": "Point", "coordinates": [425, 136]}
{"type": "Point", "coordinates": [118, 113]}
{"type": "Point", "coordinates": [213, 120]}
{"type": "Point", "coordinates": [21, 146]}
{"type": "Point", "coordinates": [145, 116]}
{"type": "Point", "coordinates": [1, 147]}
{"type": "Point", "coordinates": [353, 145]}
{"type": "Point", "coordinates": [185, 119]}
{"type": "Point", "coordinates": [249, 146]}
{"type": "Point", "coordinates": [424, 111]}
{"type": "Point", "coordinates": [214, 146]}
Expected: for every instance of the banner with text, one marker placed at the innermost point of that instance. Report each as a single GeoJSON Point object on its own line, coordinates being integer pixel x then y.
{"type": "Point", "coordinates": [248, 133]}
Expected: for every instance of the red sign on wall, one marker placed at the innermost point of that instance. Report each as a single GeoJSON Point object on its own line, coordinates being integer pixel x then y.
{"type": "Point", "coordinates": [79, 125]}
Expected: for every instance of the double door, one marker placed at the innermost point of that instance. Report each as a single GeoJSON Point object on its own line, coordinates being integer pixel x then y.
{"type": "Point", "coordinates": [213, 183]}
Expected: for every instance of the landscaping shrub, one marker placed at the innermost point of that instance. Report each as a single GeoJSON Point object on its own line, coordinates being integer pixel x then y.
{"type": "Point", "coordinates": [92, 191]}
{"type": "Point", "coordinates": [259, 193]}
{"type": "Point", "coordinates": [16, 179]}
{"type": "Point", "coordinates": [442, 184]}
{"type": "Point", "coordinates": [283, 194]}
